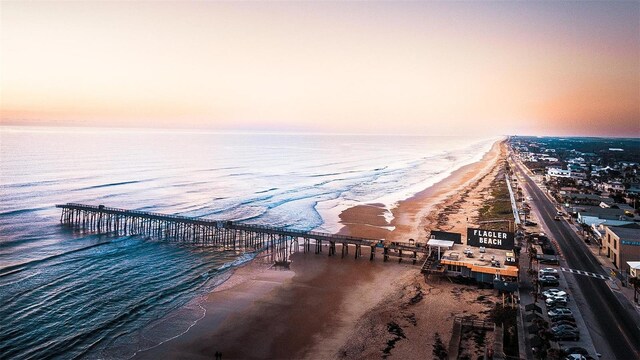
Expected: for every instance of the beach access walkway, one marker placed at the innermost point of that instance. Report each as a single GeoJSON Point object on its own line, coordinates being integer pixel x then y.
{"type": "Point", "coordinates": [278, 243]}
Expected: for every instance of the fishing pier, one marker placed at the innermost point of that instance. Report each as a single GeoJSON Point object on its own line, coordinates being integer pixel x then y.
{"type": "Point", "coordinates": [278, 243]}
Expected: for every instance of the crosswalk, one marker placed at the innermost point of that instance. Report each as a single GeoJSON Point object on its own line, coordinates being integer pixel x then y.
{"type": "Point", "coordinates": [586, 273]}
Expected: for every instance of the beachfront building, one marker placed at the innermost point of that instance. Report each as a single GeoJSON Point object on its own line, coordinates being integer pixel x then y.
{"type": "Point", "coordinates": [623, 245]}
{"type": "Point", "coordinates": [482, 270]}
{"type": "Point", "coordinates": [487, 256]}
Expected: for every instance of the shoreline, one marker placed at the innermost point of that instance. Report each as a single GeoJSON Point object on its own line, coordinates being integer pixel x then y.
{"type": "Point", "coordinates": [390, 202]}
{"type": "Point", "coordinates": [409, 216]}
{"type": "Point", "coordinates": [335, 298]}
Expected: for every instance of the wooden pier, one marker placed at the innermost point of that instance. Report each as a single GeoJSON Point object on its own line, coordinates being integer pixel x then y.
{"type": "Point", "coordinates": [279, 243]}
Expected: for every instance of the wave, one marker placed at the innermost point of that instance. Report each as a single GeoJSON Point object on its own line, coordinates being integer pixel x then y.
{"type": "Point", "coordinates": [114, 184]}
{"type": "Point", "coordinates": [8, 270]}
{"type": "Point", "coordinates": [23, 211]}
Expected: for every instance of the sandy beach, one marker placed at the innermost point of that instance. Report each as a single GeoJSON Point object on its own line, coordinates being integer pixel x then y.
{"type": "Point", "coordinates": [329, 307]}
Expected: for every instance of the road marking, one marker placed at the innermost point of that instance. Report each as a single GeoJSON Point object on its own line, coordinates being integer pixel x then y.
{"type": "Point", "coordinates": [586, 273]}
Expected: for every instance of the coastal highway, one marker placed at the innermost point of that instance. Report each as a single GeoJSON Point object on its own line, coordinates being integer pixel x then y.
{"type": "Point", "coordinates": [618, 326]}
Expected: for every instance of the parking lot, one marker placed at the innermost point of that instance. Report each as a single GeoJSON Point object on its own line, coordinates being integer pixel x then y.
{"type": "Point", "coordinates": [549, 258]}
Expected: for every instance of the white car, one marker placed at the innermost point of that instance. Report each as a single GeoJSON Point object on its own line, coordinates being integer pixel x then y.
{"type": "Point", "coordinates": [554, 293]}
{"type": "Point", "coordinates": [556, 301]}
{"type": "Point", "coordinates": [559, 312]}
{"type": "Point", "coordinates": [548, 271]}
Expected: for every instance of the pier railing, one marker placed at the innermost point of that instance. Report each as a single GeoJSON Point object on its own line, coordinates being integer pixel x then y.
{"type": "Point", "coordinates": [277, 241]}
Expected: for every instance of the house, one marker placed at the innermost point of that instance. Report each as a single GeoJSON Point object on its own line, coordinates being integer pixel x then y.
{"type": "Point", "coordinates": [623, 245]}
{"type": "Point", "coordinates": [616, 186]}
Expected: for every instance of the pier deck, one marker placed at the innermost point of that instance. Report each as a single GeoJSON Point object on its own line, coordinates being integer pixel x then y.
{"type": "Point", "coordinates": [279, 243]}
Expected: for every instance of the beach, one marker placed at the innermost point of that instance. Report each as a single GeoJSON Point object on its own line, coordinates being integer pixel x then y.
{"type": "Point", "coordinates": [329, 307]}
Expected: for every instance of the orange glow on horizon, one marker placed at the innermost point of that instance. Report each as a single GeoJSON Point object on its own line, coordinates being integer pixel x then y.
{"type": "Point", "coordinates": [419, 68]}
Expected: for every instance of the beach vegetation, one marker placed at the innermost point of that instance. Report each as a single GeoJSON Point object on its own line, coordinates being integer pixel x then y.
{"type": "Point", "coordinates": [439, 350]}
{"type": "Point", "coordinates": [497, 206]}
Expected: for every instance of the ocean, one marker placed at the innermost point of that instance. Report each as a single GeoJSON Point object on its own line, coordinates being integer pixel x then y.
{"type": "Point", "coordinates": [65, 294]}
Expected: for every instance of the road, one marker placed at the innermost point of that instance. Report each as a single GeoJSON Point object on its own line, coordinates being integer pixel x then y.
{"type": "Point", "coordinates": [617, 325]}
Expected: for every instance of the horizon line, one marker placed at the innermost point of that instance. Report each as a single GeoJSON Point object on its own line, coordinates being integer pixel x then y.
{"type": "Point", "coordinates": [186, 130]}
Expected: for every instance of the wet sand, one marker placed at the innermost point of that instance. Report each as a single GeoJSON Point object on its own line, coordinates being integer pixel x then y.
{"type": "Point", "coordinates": [328, 307]}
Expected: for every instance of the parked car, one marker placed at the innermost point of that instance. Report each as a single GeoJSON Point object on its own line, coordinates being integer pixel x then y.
{"type": "Point", "coordinates": [548, 259]}
{"type": "Point", "coordinates": [564, 328]}
{"type": "Point", "coordinates": [553, 313]}
{"type": "Point", "coordinates": [563, 322]}
{"type": "Point", "coordinates": [548, 280]}
{"type": "Point", "coordinates": [576, 350]}
{"type": "Point", "coordinates": [530, 223]}
{"type": "Point", "coordinates": [549, 271]}
{"type": "Point", "coordinates": [566, 335]}
{"type": "Point", "coordinates": [554, 292]}
{"type": "Point", "coordinates": [556, 302]}
{"type": "Point", "coordinates": [563, 317]}
{"type": "Point", "coordinates": [575, 357]}
{"type": "Point", "coordinates": [557, 218]}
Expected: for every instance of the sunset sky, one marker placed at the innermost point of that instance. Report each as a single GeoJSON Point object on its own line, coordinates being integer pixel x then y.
{"type": "Point", "coordinates": [432, 68]}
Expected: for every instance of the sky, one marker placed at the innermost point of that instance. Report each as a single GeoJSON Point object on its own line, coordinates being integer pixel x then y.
{"type": "Point", "coordinates": [420, 68]}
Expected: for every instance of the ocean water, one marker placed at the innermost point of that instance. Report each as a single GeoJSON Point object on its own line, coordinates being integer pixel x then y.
{"type": "Point", "coordinates": [65, 294]}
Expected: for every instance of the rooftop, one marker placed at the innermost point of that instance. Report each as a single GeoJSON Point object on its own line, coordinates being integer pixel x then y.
{"type": "Point", "coordinates": [626, 233]}
{"type": "Point", "coordinates": [480, 262]}
{"type": "Point", "coordinates": [602, 213]}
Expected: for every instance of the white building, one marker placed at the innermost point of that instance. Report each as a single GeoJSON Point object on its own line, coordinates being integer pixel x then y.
{"type": "Point", "coordinates": [557, 172]}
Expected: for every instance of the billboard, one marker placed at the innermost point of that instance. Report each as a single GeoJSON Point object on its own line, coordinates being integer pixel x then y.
{"type": "Point", "coordinates": [443, 235]}
{"type": "Point", "coordinates": [490, 238]}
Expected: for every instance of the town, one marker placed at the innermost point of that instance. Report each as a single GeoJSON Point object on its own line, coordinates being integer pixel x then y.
{"type": "Point", "coordinates": [577, 199]}
{"type": "Point", "coordinates": [597, 185]}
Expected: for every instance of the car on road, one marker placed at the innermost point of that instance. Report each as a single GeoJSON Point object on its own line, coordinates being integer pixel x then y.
{"type": "Point", "coordinates": [548, 280]}
{"type": "Point", "coordinates": [554, 313]}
